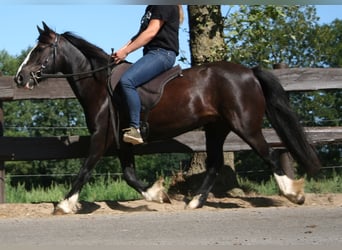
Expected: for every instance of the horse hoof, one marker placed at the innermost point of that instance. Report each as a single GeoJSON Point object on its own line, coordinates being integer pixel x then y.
{"type": "Point", "coordinates": [58, 211]}
{"type": "Point", "coordinates": [67, 206]}
{"type": "Point", "coordinates": [63, 208]}
{"type": "Point", "coordinates": [293, 190]}
{"type": "Point", "coordinates": [298, 199]}
{"type": "Point", "coordinates": [196, 202]}
{"type": "Point", "coordinates": [157, 192]}
{"type": "Point", "coordinates": [164, 198]}
{"type": "Point", "coordinates": [301, 200]}
{"type": "Point", "coordinates": [296, 194]}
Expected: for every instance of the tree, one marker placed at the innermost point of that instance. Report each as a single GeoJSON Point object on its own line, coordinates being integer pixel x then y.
{"type": "Point", "coordinates": [269, 34]}
{"type": "Point", "coordinates": [327, 41]}
{"type": "Point", "coordinates": [206, 34]}
{"type": "Point", "coordinates": [8, 64]}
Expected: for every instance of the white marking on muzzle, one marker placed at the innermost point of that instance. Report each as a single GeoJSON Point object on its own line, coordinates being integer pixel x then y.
{"type": "Point", "coordinates": [27, 58]}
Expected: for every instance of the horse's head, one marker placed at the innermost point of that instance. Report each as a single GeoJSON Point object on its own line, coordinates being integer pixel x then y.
{"type": "Point", "coordinates": [41, 59]}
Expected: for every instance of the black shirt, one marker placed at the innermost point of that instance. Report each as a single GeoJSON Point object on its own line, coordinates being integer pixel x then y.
{"type": "Point", "coordinates": [167, 37]}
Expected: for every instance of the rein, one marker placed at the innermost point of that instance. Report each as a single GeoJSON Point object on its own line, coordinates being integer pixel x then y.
{"type": "Point", "coordinates": [39, 75]}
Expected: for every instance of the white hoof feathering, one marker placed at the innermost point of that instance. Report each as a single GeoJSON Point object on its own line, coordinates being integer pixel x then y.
{"type": "Point", "coordinates": [293, 190]}
{"type": "Point", "coordinates": [157, 192]}
{"type": "Point", "coordinates": [195, 202]}
{"type": "Point", "coordinates": [68, 206]}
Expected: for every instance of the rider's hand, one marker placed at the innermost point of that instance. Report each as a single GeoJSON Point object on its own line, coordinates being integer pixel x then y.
{"type": "Point", "coordinates": [119, 56]}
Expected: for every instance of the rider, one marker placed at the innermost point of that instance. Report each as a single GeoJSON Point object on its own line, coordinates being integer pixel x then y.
{"type": "Point", "coordinates": [158, 34]}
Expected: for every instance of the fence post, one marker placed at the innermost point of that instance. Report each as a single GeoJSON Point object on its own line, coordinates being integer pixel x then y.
{"type": "Point", "coordinates": [2, 163]}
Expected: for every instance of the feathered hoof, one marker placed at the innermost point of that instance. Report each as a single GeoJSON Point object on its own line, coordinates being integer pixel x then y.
{"type": "Point", "coordinates": [67, 206]}
{"type": "Point", "coordinates": [196, 202]}
{"type": "Point", "coordinates": [157, 192]}
{"type": "Point", "coordinates": [298, 199]}
{"type": "Point", "coordinates": [59, 211]}
{"type": "Point", "coordinates": [297, 195]}
{"type": "Point", "coordinates": [293, 190]}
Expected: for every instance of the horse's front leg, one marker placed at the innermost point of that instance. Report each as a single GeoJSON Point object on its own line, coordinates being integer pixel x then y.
{"type": "Point", "coordinates": [97, 150]}
{"type": "Point", "coordinates": [156, 192]}
{"type": "Point", "coordinates": [202, 194]}
{"type": "Point", "coordinates": [215, 137]}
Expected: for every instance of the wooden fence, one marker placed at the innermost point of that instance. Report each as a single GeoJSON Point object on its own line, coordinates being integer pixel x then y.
{"type": "Point", "coordinates": [64, 147]}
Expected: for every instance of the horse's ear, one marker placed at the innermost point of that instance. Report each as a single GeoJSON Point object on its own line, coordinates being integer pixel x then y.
{"type": "Point", "coordinates": [46, 28]}
{"type": "Point", "coordinates": [40, 30]}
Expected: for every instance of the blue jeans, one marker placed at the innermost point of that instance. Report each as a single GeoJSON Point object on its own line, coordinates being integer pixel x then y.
{"type": "Point", "coordinates": [153, 63]}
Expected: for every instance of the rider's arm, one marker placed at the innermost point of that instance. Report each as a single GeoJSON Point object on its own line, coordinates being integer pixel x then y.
{"type": "Point", "coordinates": [141, 40]}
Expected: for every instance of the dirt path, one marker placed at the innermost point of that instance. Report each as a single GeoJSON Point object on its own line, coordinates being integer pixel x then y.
{"type": "Point", "coordinates": [115, 207]}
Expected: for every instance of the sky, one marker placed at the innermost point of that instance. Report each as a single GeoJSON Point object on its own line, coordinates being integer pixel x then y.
{"type": "Point", "coordinates": [105, 25]}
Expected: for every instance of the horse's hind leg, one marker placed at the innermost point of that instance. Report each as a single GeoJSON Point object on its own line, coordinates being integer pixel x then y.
{"type": "Point", "coordinates": [215, 135]}
{"type": "Point", "coordinates": [291, 189]}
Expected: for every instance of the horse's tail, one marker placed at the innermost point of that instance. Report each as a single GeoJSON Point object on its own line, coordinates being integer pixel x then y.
{"type": "Point", "coordinates": [285, 122]}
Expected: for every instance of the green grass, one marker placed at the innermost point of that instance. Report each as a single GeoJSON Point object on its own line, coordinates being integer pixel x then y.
{"type": "Point", "coordinates": [108, 189]}
{"type": "Point", "coordinates": [102, 189]}
{"type": "Point", "coordinates": [265, 188]}
{"type": "Point", "coordinates": [325, 185]}
{"type": "Point", "coordinates": [19, 194]}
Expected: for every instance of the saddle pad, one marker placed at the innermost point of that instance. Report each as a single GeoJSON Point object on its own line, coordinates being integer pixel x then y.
{"type": "Point", "coordinates": [151, 92]}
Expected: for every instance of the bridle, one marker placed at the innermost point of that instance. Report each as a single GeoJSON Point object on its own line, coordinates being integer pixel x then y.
{"type": "Point", "coordinates": [39, 75]}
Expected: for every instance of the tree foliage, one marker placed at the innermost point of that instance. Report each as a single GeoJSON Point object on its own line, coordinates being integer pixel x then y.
{"type": "Point", "coordinates": [327, 40]}
{"type": "Point", "coordinates": [269, 35]}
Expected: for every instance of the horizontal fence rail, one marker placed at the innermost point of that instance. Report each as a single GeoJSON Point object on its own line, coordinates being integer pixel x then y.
{"type": "Point", "coordinates": [67, 147]}
{"type": "Point", "coordinates": [295, 79]}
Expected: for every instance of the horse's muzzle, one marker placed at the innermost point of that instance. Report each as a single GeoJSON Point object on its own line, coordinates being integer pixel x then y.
{"type": "Point", "coordinates": [19, 80]}
{"type": "Point", "coordinates": [29, 84]}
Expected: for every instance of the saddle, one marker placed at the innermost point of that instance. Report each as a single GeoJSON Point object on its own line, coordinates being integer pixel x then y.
{"type": "Point", "coordinates": [151, 92]}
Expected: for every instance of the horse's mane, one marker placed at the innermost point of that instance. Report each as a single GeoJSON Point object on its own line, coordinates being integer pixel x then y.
{"type": "Point", "coordinates": [93, 53]}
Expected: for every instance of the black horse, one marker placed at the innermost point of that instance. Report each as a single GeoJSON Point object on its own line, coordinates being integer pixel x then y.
{"type": "Point", "coordinates": [220, 97]}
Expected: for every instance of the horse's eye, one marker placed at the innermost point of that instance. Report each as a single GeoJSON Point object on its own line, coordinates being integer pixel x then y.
{"type": "Point", "coordinates": [43, 46]}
